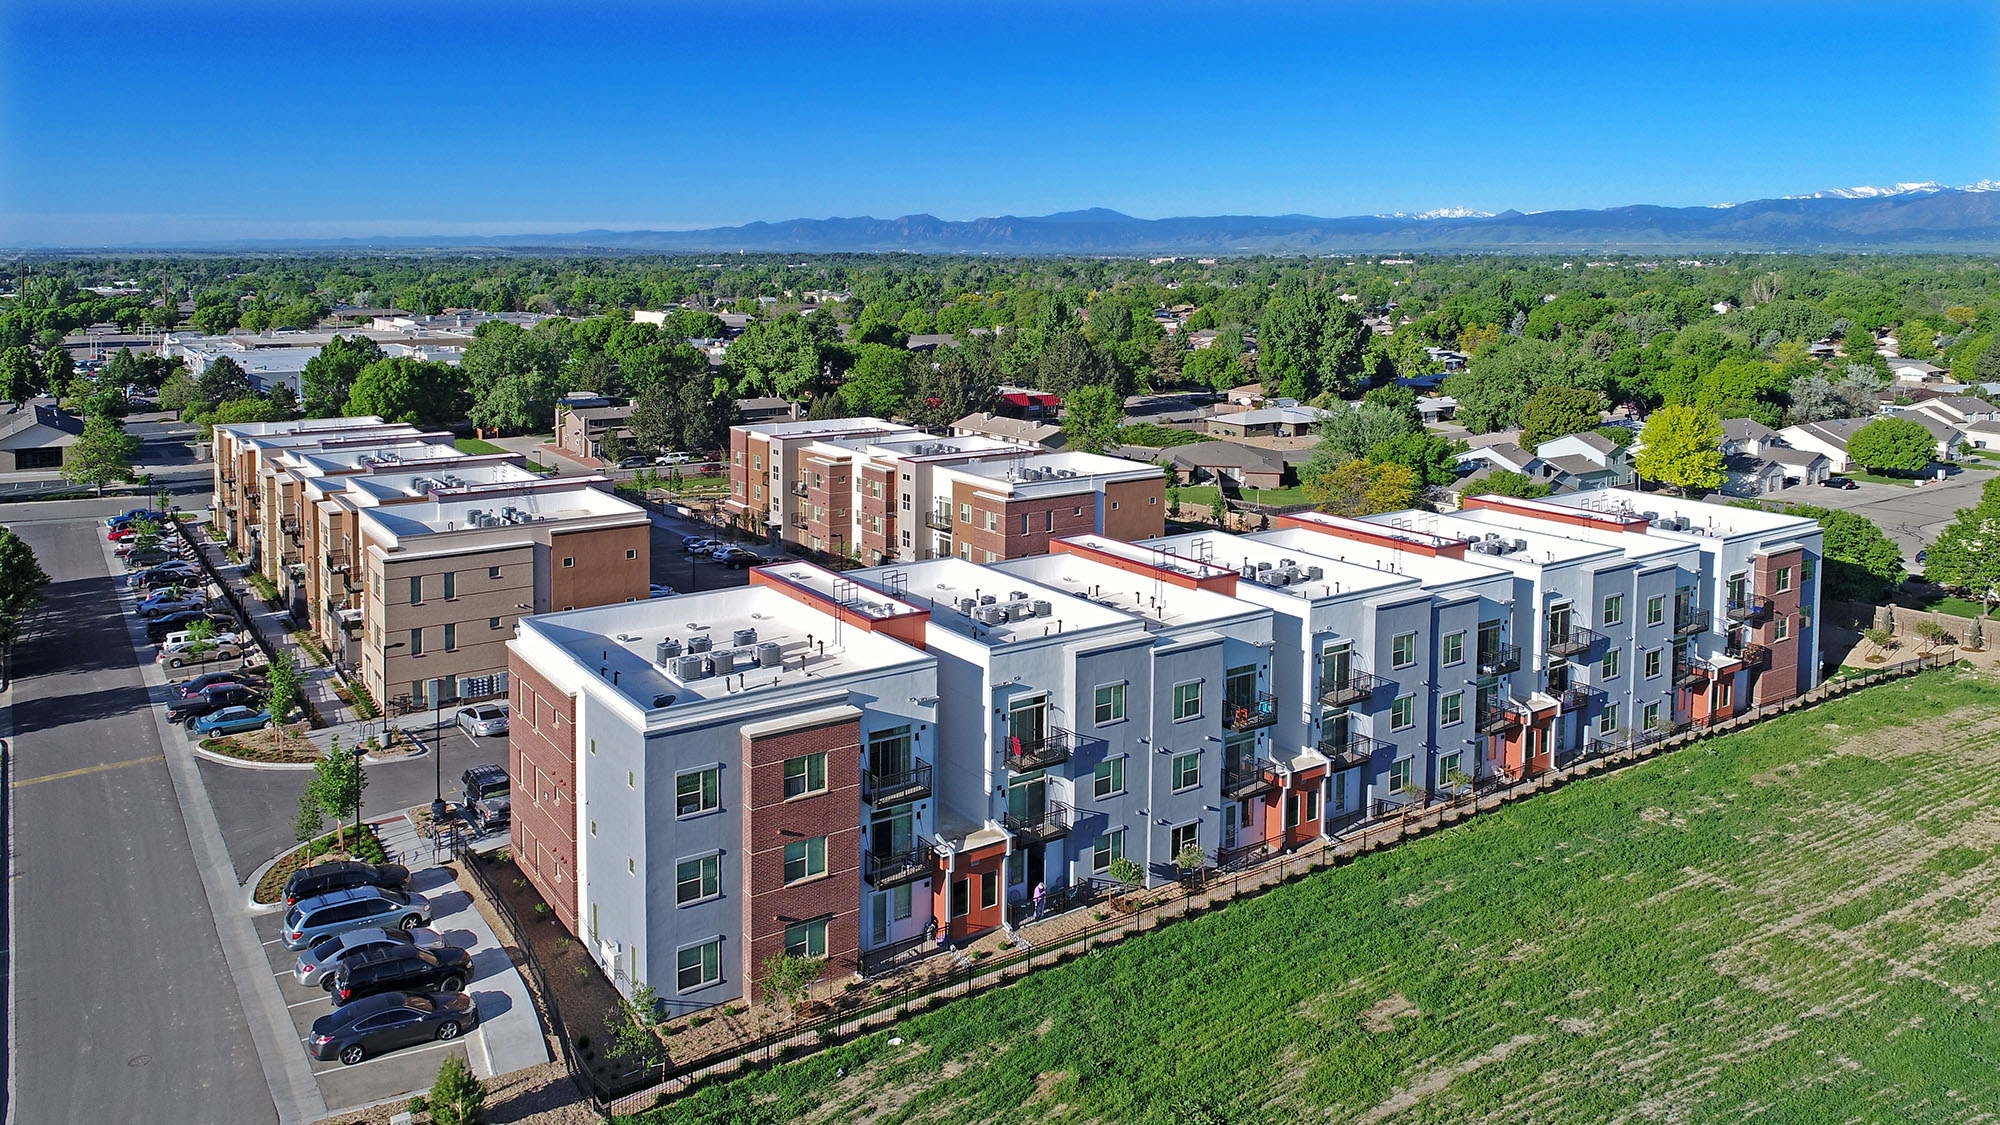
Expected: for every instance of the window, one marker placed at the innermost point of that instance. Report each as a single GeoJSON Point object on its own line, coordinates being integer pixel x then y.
{"type": "Point", "coordinates": [1454, 648]}
{"type": "Point", "coordinates": [1653, 662]}
{"type": "Point", "coordinates": [1784, 578]}
{"type": "Point", "coordinates": [450, 637]}
{"type": "Point", "coordinates": [1076, 513]}
{"type": "Point", "coordinates": [899, 902]}
{"type": "Point", "coordinates": [1187, 771]}
{"type": "Point", "coordinates": [1183, 837]}
{"type": "Point", "coordinates": [805, 774]}
{"type": "Point", "coordinates": [1650, 717]}
{"type": "Point", "coordinates": [416, 589]}
{"type": "Point", "coordinates": [965, 513]}
{"type": "Point", "coordinates": [629, 554]}
{"type": "Point", "coordinates": [805, 859]}
{"type": "Point", "coordinates": [1109, 778]}
{"type": "Point", "coordinates": [1656, 609]}
{"type": "Point", "coordinates": [992, 520]}
{"type": "Point", "coordinates": [698, 965]}
{"type": "Point", "coordinates": [1607, 719]}
{"type": "Point", "coordinates": [451, 584]}
{"type": "Point", "coordinates": [1403, 712]}
{"type": "Point", "coordinates": [1614, 609]}
{"type": "Point", "coordinates": [1805, 617]}
{"type": "Point", "coordinates": [416, 642]}
{"type": "Point", "coordinates": [961, 897]}
{"type": "Point", "coordinates": [1403, 650]}
{"type": "Point", "coordinates": [1187, 700]}
{"type": "Point", "coordinates": [806, 939]}
{"type": "Point", "coordinates": [906, 537]}
{"type": "Point", "coordinates": [631, 780]}
{"type": "Point", "coordinates": [492, 623]}
{"type": "Point", "coordinates": [492, 572]}
{"type": "Point", "coordinates": [1781, 627]}
{"type": "Point", "coordinates": [593, 829]}
{"type": "Point", "coordinates": [698, 792]}
{"type": "Point", "coordinates": [1110, 704]}
{"type": "Point", "coordinates": [631, 866]}
{"type": "Point", "coordinates": [1114, 505]}
{"type": "Point", "coordinates": [1108, 849]}
{"type": "Point", "coordinates": [1024, 522]}
{"type": "Point", "coordinates": [1610, 665]}
{"type": "Point", "coordinates": [1399, 775]}
{"type": "Point", "coordinates": [1312, 804]}
{"type": "Point", "coordinates": [1806, 571]}
{"type": "Point", "coordinates": [989, 890]}
{"type": "Point", "coordinates": [1451, 708]}
{"type": "Point", "coordinates": [569, 560]}
{"type": "Point", "coordinates": [696, 879]}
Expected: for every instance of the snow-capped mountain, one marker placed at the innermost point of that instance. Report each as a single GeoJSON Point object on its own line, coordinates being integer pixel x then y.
{"type": "Point", "coordinates": [1439, 213]}
{"type": "Point", "coordinates": [1928, 187]}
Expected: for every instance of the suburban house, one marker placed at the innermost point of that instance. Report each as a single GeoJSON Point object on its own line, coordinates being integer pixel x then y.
{"type": "Point", "coordinates": [1272, 421]}
{"type": "Point", "coordinates": [580, 430]}
{"type": "Point", "coordinates": [1504, 455]}
{"type": "Point", "coordinates": [1026, 433]}
{"type": "Point", "coordinates": [1023, 402]}
{"type": "Point", "coordinates": [1981, 435]}
{"type": "Point", "coordinates": [36, 435]}
{"type": "Point", "coordinates": [1915, 371]}
{"type": "Point", "coordinates": [1751, 476]}
{"type": "Point", "coordinates": [1213, 461]}
{"type": "Point", "coordinates": [768, 408]}
{"type": "Point", "coordinates": [1957, 411]}
{"type": "Point", "coordinates": [1436, 408]}
{"type": "Point", "coordinates": [1831, 437]}
{"type": "Point", "coordinates": [1758, 461]}
{"type": "Point", "coordinates": [1747, 436]}
{"type": "Point", "coordinates": [1580, 462]}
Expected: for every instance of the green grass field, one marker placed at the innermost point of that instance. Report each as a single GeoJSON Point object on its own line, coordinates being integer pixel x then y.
{"type": "Point", "coordinates": [476, 446]}
{"type": "Point", "coordinates": [1795, 923]}
{"type": "Point", "coordinates": [1198, 497]}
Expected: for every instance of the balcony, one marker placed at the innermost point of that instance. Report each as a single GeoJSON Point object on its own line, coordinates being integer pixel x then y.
{"type": "Point", "coordinates": [1577, 697]}
{"type": "Point", "coordinates": [895, 868]}
{"type": "Point", "coordinates": [1576, 642]}
{"type": "Point", "coordinates": [1497, 660]}
{"type": "Point", "coordinates": [798, 488]}
{"type": "Point", "coordinates": [1356, 750]}
{"type": "Point", "coordinates": [1050, 825]}
{"type": "Point", "coordinates": [1355, 687]}
{"type": "Point", "coordinates": [938, 521]}
{"type": "Point", "coordinates": [1753, 656]}
{"type": "Point", "coordinates": [1026, 754]}
{"type": "Point", "coordinates": [1250, 713]}
{"type": "Point", "coordinates": [1494, 720]}
{"type": "Point", "coordinates": [797, 519]}
{"type": "Point", "coordinates": [1690, 620]}
{"type": "Point", "coordinates": [882, 790]}
{"type": "Point", "coordinates": [336, 564]}
{"type": "Point", "coordinates": [1748, 608]}
{"type": "Point", "coordinates": [1249, 780]}
{"type": "Point", "coordinates": [1689, 676]}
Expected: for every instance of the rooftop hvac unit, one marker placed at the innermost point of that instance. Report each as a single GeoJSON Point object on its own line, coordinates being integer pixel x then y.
{"type": "Point", "coordinates": [690, 667]}
{"type": "Point", "coordinates": [1018, 596]}
{"type": "Point", "coordinates": [665, 651]}
{"type": "Point", "coordinates": [700, 643]}
{"type": "Point", "coordinates": [475, 517]}
{"type": "Point", "coordinates": [1067, 473]}
{"type": "Point", "coordinates": [1520, 544]}
{"type": "Point", "coordinates": [770, 655]}
{"type": "Point", "coordinates": [987, 599]}
{"type": "Point", "coordinates": [1019, 611]}
{"type": "Point", "coordinates": [1314, 574]}
{"type": "Point", "coordinates": [743, 637]}
{"type": "Point", "coordinates": [990, 614]}
{"type": "Point", "coordinates": [1649, 515]}
{"type": "Point", "coordinates": [1290, 572]}
{"type": "Point", "coordinates": [1042, 608]}
{"type": "Point", "coordinates": [1278, 578]}
{"type": "Point", "coordinates": [724, 661]}
{"type": "Point", "coordinates": [967, 605]}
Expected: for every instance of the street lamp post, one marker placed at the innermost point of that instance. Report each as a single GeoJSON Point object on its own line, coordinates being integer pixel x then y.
{"type": "Point", "coordinates": [360, 751]}
{"type": "Point", "coordinates": [438, 807]}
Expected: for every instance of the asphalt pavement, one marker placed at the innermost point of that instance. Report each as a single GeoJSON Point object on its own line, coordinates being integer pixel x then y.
{"type": "Point", "coordinates": [122, 1006]}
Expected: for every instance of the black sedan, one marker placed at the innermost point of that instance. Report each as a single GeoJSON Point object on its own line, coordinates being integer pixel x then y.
{"type": "Point", "coordinates": [158, 628]}
{"type": "Point", "coordinates": [209, 700]}
{"type": "Point", "coordinates": [188, 689]}
{"type": "Point", "coordinates": [341, 874]}
{"type": "Point", "coordinates": [384, 1022]}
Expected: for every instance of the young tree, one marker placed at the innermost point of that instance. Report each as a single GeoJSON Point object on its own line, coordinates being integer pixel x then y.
{"type": "Point", "coordinates": [1363, 488]}
{"type": "Point", "coordinates": [1506, 482]}
{"type": "Point", "coordinates": [1190, 858]}
{"type": "Point", "coordinates": [1554, 412]}
{"type": "Point", "coordinates": [1881, 639]}
{"type": "Point", "coordinates": [1683, 448]}
{"type": "Point", "coordinates": [788, 981]}
{"type": "Point", "coordinates": [336, 786]}
{"type": "Point", "coordinates": [1126, 871]}
{"type": "Point", "coordinates": [1091, 418]}
{"type": "Point", "coordinates": [285, 685]}
{"type": "Point", "coordinates": [101, 455]}
{"type": "Point", "coordinates": [22, 581]}
{"type": "Point", "coordinates": [1896, 444]}
{"type": "Point", "coordinates": [457, 1098]}
{"type": "Point", "coordinates": [308, 824]}
{"type": "Point", "coordinates": [612, 449]}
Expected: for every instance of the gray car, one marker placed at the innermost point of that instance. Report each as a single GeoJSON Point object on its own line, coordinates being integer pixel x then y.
{"type": "Point", "coordinates": [352, 909]}
{"type": "Point", "coordinates": [317, 961]}
{"type": "Point", "coordinates": [483, 719]}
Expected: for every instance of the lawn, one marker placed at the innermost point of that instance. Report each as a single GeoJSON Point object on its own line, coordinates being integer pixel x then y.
{"type": "Point", "coordinates": [1939, 602]}
{"type": "Point", "coordinates": [1795, 922]}
{"type": "Point", "coordinates": [476, 446]}
{"type": "Point", "coordinates": [1198, 497]}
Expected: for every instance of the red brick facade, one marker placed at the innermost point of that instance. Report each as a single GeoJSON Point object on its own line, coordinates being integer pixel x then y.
{"type": "Point", "coordinates": [541, 763]}
{"type": "Point", "coordinates": [770, 822]}
{"type": "Point", "coordinates": [1780, 676]}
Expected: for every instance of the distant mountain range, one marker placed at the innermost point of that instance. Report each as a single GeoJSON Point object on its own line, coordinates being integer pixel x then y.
{"type": "Point", "coordinates": [1906, 217]}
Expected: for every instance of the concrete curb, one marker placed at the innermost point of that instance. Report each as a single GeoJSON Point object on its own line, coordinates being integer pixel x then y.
{"type": "Point", "coordinates": [257, 876]}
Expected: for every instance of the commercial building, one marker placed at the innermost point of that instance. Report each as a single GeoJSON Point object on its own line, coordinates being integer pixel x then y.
{"type": "Point", "coordinates": [882, 492]}
{"type": "Point", "coordinates": [839, 764]}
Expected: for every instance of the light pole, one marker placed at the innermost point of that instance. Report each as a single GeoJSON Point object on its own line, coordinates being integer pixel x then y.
{"type": "Point", "coordinates": [438, 807]}
{"type": "Point", "coordinates": [359, 751]}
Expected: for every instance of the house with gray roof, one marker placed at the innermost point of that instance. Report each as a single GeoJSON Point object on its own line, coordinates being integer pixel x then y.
{"type": "Point", "coordinates": [1024, 432]}
{"type": "Point", "coordinates": [36, 436]}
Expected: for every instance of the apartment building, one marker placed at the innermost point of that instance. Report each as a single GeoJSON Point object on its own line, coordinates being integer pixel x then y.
{"type": "Point", "coordinates": [884, 492]}
{"type": "Point", "coordinates": [242, 506]}
{"type": "Point", "coordinates": [960, 734]}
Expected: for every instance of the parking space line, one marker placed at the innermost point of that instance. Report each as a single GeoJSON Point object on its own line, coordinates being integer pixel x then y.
{"type": "Point", "coordinates": [303, 1003]}
{"type": "Point", "coordinates": [274, 941]}
{"type": "Point", "coordinates": [398, 1053]}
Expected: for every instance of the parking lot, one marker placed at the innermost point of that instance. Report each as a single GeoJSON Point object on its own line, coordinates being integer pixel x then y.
{"type": "Point", "coordinates": [504, 1012]}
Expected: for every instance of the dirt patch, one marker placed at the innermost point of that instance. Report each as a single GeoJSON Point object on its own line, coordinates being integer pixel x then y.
{"type": "Point", "coordinates": [1381, 1016]}
{"type": "Point", "coordinates": [1411, 1095]}
{"type": "Point", "coordinates": [539, 1095]}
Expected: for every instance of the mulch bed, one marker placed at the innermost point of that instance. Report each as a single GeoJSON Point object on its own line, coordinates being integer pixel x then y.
{"type": "Point", "coordinates": [272, 886]}
{"type": "Point", "coordinates": [263, 746]}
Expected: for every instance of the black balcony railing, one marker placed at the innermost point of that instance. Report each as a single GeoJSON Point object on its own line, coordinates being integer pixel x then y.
{"type": "Point", "coordinates": [937, 521]}
{"type": "Point", "coordinates": [1353, 751]}
{"type": "Point", "coordinates": [1577, 641]}
{"type": "Point", "coordinates": [1355, 687]}
{"type": "Point", "coordinates": [893, 869]}
{"type": "Point", "coordinates": [1752, 655]}
{"type": "Point", "coordinates": [1493, 720]}
{"type": "Point", "coordinates": [1748, 608]}
{"type": "Point", "coordinates": [1024, 754]}
{"type": "Point", "coordinates": [1495, 660]}
{"type": "Point", "coordinates": [1250, 712]}
{"type": "Point", "coordinates": [1248, 779]}
{"type": "Point", "coordinates": [1577, 697]}
{"type": "Point", "coordinates": [1689, 675]}
{"type": "Point", "coordinates": [1051, 823]}
{"type": "Point", "coordinates": [798, 488]}
{"type": "Point", "coordinates": [1690, 620]}
{"type": "Point", "coordinates": [881, 790]}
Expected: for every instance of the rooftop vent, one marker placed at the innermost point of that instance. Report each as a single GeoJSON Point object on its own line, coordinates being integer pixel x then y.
{"type": "Point", "coordinates": [690, 668]}
{"type": "Point", "coordinates": [665, 651]}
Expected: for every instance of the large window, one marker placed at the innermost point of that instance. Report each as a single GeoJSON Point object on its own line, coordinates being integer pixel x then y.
{"type": "Point", "coordinates": [416, 589]}
{"type": "Point", "coordinates": [1187, 771]}
{"type": "Point", "coordinates": [450, 584]}
{"type": "Point", "coordinates": [1110, 704]}
{"type": "Point", "coordinates": [1454, 648]}
{"type": "Point", "coordinates": [1607, 719]}
{"type": "Point", "coordinates": [806, 939]}
{"type": "Point", "coordinates": [1609, 668]}
{"type": "Point", "coordinates": [1448, 764]}
{"type": "Point", "coordinates": [1183, 837]}
{"type": "Point", "coordinates": [1451, 708]}
{"type": "Point", "coordinates": [699, 791]}
{"type": "Point", "coordinates": [1187, 700]}
{"type": "Point", "coordinates": [1403, 712]}
{"type": "Point", "coordinates": [1656, 609]}
{"type": "Point", "coordinates": [697, 879]}
{"type": "Point", "coordinates": [805, 774]}
{"type": "Point", "coordinates": [805, 859]}
{"type": "Point", "coordinates": [1108, 780]}
{"type": "Point", "coordinates": [1614, 609]}
{"type": "Point", "coordinates": [1109, 848]}
{"type": "Point", "coordinates": [698, 965]}
{"type": "Point", "coordinates": [1784, 578]}
{"type": "Point", "coordinates": [1403, 650]}
{"type": "Point", "coordinates": [1653, 662]}
{"type": "Point", "coordinates": [1399, 775]}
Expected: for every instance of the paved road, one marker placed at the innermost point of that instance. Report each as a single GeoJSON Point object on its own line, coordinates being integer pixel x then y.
{"type": "Point", "coordinates": [1910, 516]}
{"type": "Point", "coordinates": [124, 1010]}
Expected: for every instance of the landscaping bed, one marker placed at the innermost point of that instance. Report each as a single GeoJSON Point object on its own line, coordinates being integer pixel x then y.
{"type": "Point", "coordinates": [264, 746]}
{"type": "Point", "coordinates": [271, 887]}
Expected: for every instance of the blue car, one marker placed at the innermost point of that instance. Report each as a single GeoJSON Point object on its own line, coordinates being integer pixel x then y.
{"type": "Point", "coordinates": [135, 515]}
{"type": "Point", "coordinates": [232, 720]}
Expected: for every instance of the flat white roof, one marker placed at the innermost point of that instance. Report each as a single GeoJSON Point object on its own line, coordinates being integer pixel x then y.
{"type": "Point", "coordinates": [830, 427]}
{"type": "Point", "coordinates": [1242, 553]}
{"type": "Point", "coordinates": [1637, 545]}
{"type": "Point", "coordinates": [1026, 473]}
{"type": "Point", "coordinates": [1160, 604]}
{"type": "Point", "coordinates": [1539, 545]}
{"type": "Point", "coordinates": [454, 513]}
{"type": "Point", "coordinates": [940, 586]}
{"type": "Point", "coordinates": [1430, 570]}
{"type": "Point", "coordinates": [1722, 521]}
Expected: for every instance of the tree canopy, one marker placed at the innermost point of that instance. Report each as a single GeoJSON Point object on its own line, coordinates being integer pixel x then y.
{"type": "Point", "coordinates": [1682, 448]}
{"type": "Point", "coordinates": [1895, 444]}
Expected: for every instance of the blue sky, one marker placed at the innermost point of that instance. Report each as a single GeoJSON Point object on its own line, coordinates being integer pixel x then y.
{"type": "Point", "coordinates": [124, 122]}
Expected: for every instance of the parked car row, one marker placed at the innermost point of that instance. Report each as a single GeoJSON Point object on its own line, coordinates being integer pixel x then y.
{"type": "Point", "coordinates": [731, 555]}
{"type": "Point", "coordinates": [353, 924]}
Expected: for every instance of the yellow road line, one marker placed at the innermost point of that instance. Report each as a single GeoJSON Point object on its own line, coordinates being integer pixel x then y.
{"type": "Point", "coordinates": [88, 769]}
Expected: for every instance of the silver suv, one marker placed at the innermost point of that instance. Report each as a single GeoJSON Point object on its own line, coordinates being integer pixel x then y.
{"type": "Point", "coordinates": [351, 909]}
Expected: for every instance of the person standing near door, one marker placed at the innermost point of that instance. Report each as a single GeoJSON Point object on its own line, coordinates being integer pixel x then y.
{"type": "Point", "coordinates": [1040, 890]}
